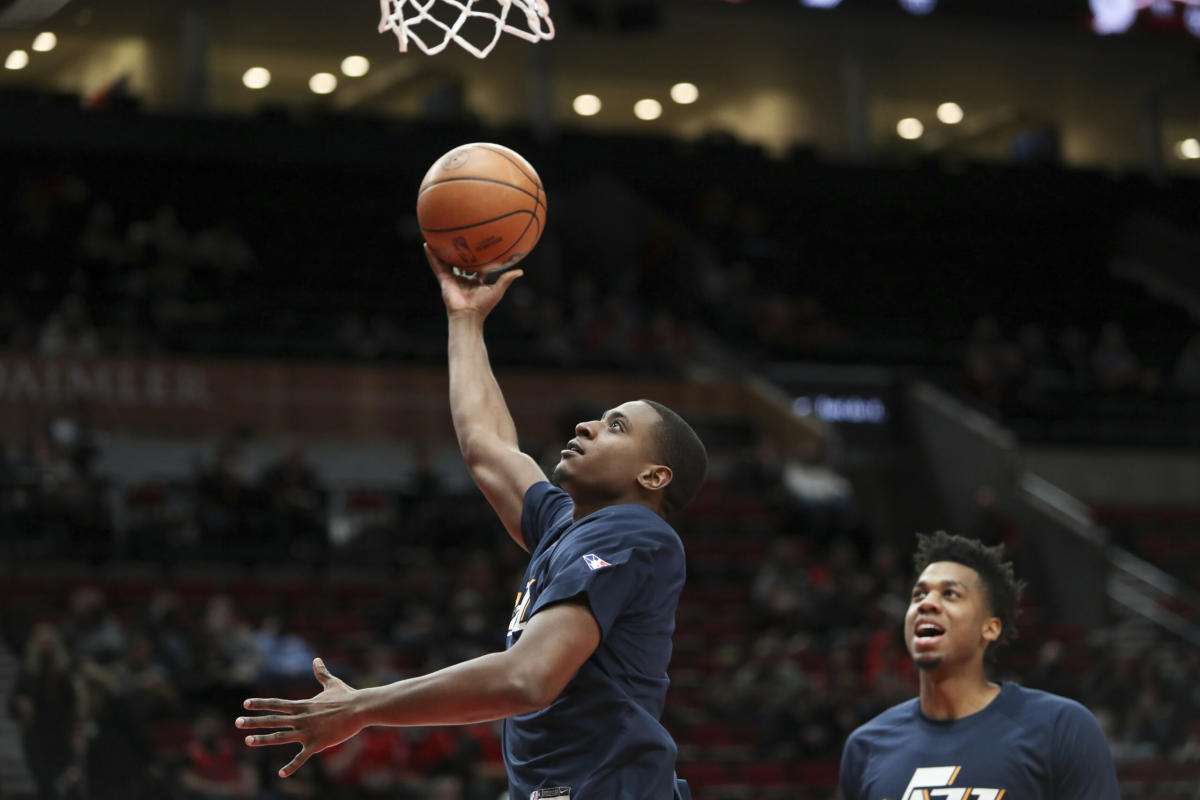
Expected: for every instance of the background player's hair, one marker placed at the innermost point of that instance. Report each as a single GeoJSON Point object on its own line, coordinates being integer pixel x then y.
{"type": "Point", "coordinates": [680, 449]}
{"type": "Point", "coordinates": [1003, 588]}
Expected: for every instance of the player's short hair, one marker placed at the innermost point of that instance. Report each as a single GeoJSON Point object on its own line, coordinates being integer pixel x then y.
{"type": "Point", "coordinates": [1003, 588]}
{"type": "Point", "coordinates": [680, 449]}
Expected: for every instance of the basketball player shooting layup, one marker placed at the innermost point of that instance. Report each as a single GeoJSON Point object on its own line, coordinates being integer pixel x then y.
{"type": "Point", "coordinates": [965, 731]}
{"type": "Point", "coordinates": [583, 680]}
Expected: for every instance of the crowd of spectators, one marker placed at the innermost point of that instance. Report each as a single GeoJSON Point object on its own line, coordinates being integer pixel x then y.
{"type": "Point", "coordinates": [1028, 366]}
{"type": "Point", "coordinates": [1065, 384]}
{"type": "Point", "coordinates": [645, 268]}
{"type": "Point", "coordinates": [788, 637]}
{"type": "Point", "coordinates": [788, 631]}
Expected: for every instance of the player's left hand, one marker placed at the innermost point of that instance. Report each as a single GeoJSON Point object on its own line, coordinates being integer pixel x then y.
{"type": "Point", "coordinates": [318, 723]}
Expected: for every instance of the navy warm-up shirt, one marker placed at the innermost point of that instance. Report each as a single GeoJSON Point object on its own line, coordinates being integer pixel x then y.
{"type": "Point", "coordinates": [601, 739]}
{"type": "Point", "coordinates": [1025, 744]}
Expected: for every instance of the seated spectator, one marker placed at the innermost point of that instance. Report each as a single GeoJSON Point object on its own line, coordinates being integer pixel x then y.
{"type": "Point", "coordinates": [1074, 356]}
{"type": "Point", "coordinates": [119, 752]}
{"type": "Point", "coordinates": [283, 655]}
{"type": "Point", "coordinates": [69, 332]}
{"type": "Point", "coordinates": [44, 703]}
{"type": "Point", "coordinates": [213, 769]}
{"type": "Point", "coordinates": [91, 631]}
{"type": "Point", "coordinates": [297, 501]}
{"type": "Point", "coordinates": [1187, 367]}
{"type": "Point", "coordinates": [990, 361]}
{"type": "Point", "coordinates": [1115, 364]}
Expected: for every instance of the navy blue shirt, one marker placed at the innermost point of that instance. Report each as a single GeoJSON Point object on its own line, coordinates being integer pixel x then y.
{"type": "Point", "coordinates": [601, 738]}
{"type": "Point", "coordinates": [1025, 744]}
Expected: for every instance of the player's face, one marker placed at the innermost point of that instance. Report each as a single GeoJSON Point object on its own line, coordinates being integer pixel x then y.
{"type": "Point", "coordinates": [949, 622]}
{"type": "Point", "coordinates": [607, 455]}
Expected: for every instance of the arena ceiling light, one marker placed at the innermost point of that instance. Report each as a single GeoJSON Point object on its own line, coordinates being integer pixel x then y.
{"type": "Point", "coordinates": [355, 66]}
{"type": "Point", "coordinates": [587, 105]}
{"type": "Point", "coordinates": [1191, 20]}
{"type": "Point", "coordinates": [1113, 16]}
{"type": "Point", "coordinates": [1188, 149]}
{"type": "Point", "coordinates": [322, 83]}
{"type": "Point", "coordinates": [45, 42]}
{"type": "Point", "coordinates": [685, 93]}
{"type": "Point", "coordinates": [919, 7]}
{"type": "Point", "coordinates": [647, 109]}
{"type": "Point", "coordinates": [821, 3]}
{"type": "Point", "coordinates": [910, 128]}
{"type": "Point", "coordinates": [17, 59]}
{"type": "Point", "coordinates": [256, 78]}
{"type": "Point", "coordinates": [950, 113]}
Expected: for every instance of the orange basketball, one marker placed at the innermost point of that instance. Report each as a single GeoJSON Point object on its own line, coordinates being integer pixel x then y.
{"type": "Point", "coordinates": [481, 207]}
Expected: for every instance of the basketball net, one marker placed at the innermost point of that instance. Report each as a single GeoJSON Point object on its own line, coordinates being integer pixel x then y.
{"type": "Point", "coordinates": [402, 16]}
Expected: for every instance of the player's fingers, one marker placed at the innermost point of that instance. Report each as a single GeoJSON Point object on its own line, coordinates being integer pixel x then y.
{"type": "Point", "coordinates": [267, 721]}
{"type": "Point", "coordinates": [436, 264]}
{"type": "Point", "coordinates": [270, 704]}
{"type": "Point", "coordinates": [322, 672]}
{"type": "Point", "coordinates": [506, 279]}
{"type": "Point", "coordinates": [279, 737]}
{"type": "Point", "coordinates": [296, 763]}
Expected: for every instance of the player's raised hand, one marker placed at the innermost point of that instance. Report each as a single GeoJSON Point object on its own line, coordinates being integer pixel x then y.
{"type": "Point", "coordinates": [463, 294]}
{"type": "Point", "coordinates": [320, 722]}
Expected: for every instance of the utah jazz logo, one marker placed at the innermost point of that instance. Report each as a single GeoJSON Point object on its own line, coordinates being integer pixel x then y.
{"type": "Point", "coordinates": [517, 623]}
{"type": "Point", "coordinates": [937, 783]}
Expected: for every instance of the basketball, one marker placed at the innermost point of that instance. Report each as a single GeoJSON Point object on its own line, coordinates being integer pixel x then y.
{"type": "Point", "coordinates": [481, 207]}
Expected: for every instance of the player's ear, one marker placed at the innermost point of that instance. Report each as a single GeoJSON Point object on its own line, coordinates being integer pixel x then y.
{"type": "Point", "coordinates": [655, 477]}
{"type": "Point", "coordinates": [992, 628]}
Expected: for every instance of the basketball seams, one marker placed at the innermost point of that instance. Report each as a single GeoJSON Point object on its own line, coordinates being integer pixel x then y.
{"type": "Point", "coordinates": [532, 178]}
{"type": "Point", "coordinates": [532, 219]}
{"type": "Point", "coordinates": [482, 222]}
{"type": "Point", "coordinates": [536, 197]}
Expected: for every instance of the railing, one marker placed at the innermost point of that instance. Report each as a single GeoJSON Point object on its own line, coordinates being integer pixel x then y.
{"type": "Point", "coordinates": [1083, 576]}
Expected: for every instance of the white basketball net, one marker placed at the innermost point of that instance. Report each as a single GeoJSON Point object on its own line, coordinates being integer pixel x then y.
{"type": "Point", "coordinates": [402, 16]}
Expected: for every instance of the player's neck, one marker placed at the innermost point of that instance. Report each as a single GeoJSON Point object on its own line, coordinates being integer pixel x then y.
{"type": "Point", "coordinates": [955, 696]}
{"type": "Point", "coordinates": [585, 506]}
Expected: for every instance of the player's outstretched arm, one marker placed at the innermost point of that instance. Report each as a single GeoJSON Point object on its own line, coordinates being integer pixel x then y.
{"type": "Point", "coordinates": [485, 429]}
{"type": "Point", "coordinates": [526, 677]}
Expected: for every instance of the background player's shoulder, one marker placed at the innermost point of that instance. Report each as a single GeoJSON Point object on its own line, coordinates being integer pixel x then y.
{"type": "Point", "coordinates": [1046, 705]}
{"type": "Point", "coordinates": [1037, 699]}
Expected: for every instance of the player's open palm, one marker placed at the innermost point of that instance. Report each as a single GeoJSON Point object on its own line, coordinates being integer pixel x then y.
{"type": "Point", "coordinates": [462, 294]}
{"type": "Point", "coordinates": [316, 724]}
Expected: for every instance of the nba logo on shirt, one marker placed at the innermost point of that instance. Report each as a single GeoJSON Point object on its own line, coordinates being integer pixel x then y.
{"type": "Point", "coordinates": [595, 562]}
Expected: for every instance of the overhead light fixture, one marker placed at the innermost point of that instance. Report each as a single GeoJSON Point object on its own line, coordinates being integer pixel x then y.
{"type": "Point", "coordinates": [685, 93]}
{"type": "Point", "coordinates": [322, 83]}
{"type": "Point", "coordinates": [587, 105]}
{"type": "Point", "coordinates": [918, 7]}
{"type": "Point", "coordinates": [17, 59]}
{"type": "Point", "coordinates": [1188, 149]}
{"type": "Point", "coordinates": [647, 109]}
{"type": "Point", "coordinates": [355, 66]}
{"type": "Point", "coordinates": [256, 78]}
{"type": "Point", "coordinates": [1113, 16]}
{"type": "Point", "coordinates": [45, 42]}
{"type": "Point", "coordinates": [950, 113]}
{"type": "Point", "coordinates": [1191, 20]}
{"type": "Point", "coordinates": [910, 128]}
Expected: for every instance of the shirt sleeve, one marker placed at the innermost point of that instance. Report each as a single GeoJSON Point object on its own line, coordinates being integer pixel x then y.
{"type": "Point", "coordinates": [1083, 761]}
{"type": "Point", "coordinates": [613, 578]}
{"type": "Point", "coordinates": [850, 773]}
{"type": "Point", "coordinates": [544, 505]}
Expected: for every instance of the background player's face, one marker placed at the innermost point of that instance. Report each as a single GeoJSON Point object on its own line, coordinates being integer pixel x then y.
{"type": "Point", "coordinates": [949, 620]}
{"type": "Point", "coordinates": [607, 455]}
